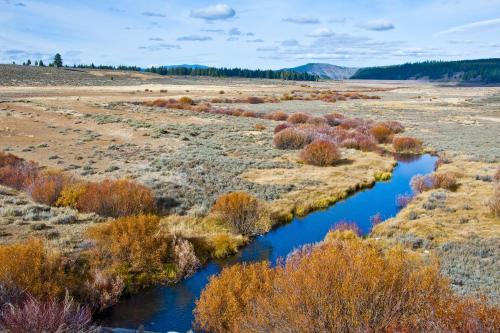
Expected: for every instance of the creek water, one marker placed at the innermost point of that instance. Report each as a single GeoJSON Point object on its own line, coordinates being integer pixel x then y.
{"type": "Point", "coordinates": [170, 308]}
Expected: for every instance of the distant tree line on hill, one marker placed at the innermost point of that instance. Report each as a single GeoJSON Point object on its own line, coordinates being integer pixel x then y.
{"type": "Point", "coordinates": [232, 72]}
{"type": "Point", "coordinates": [481, 70]}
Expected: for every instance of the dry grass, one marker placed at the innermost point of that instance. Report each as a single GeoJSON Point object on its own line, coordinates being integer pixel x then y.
{"type": "Point", "coordinates": [459, 215]}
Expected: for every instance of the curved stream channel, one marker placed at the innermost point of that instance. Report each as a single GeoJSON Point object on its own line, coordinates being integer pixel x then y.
{"type": "Point", "coordinates": [170, 308]}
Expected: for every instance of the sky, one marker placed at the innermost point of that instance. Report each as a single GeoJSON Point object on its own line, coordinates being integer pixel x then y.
{"type": "Point", "coordinates": [251, 34]}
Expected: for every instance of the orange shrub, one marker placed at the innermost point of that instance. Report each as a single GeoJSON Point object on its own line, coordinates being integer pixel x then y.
{"type": "Point", "coordinates": [316, 121]}
{"type": "Point", "coordinates": [320, 153]}
{"type": "Point", "coordinates": [240, 210]}
{"type": "Point", "coordinates": [116, 198]}
{"type": "Point", "coordinates": [407, 145]}
{"type": "Point", "coordinates": [228, 297]}
{"type": "Point", "coordinates": [290, 138]}
{"type": "Point", "coordinates": [133, 248]}
{"type": "Point", "coordinates": [281, 127]}
{"type": "Point", "coordinates": [47, 186]}
{"type": "Point", "coordinates": [249, 114]}
{"type": "Point", "coordinates": [381, 133]}
{"type": "Point", "coordinates": [343, 285]}
{"type": "Point", "coordinates": [497, 175]}
{"type": "Point", "coordinates": [298, 118]}
{"type": "Point", "coordinates": [31, 267]}
{"type": "Point", "coordinates": [259, 127]}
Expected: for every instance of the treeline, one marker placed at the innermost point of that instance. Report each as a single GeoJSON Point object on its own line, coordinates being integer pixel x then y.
{"type": "Point", "coordinates": [480, 70]}
{"type": "Point", "coordinates": [108, 67]}
{"type": "Point", "coordinates": [233, 72]}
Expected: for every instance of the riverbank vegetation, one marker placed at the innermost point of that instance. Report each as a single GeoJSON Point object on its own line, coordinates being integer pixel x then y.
{"type": "Point", "coordinates": [342, 284]}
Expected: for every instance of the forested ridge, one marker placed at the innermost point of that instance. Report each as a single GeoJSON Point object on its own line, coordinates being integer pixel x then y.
{"type": "Point", "coordinates": [481, 70]}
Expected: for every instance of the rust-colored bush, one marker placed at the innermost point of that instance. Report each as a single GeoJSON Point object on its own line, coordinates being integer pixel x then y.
{"type": "Point", "coordinates": [277, 115]}
{"type": "Point", "coordinates": [240, 210]}
{"type": "Point", "coordinates": [186, 100]}
{"type": "Point", "coordinates": [343, 285]}
{"type": "Point", "coordinates": [395, 126]}
{"type": "Point", "coordinates": [320, 153]}
{"type": "Point", "coordinates": [407, 145]}
{"type": "Point", "coordinates": [16, 172]}
{"type": "Point", "coordinates": [496, 177]}
{"type": "Point", "coordinates": [259, 127]}
{"type": "Point", "coordinates": [298, 118]}
{"type": "Point", "coordinates": [134, 248]}
{"type": "Point", "coordinates": [290, 138]}
{"type": "Point", "coordinates": [31, 267]}
{"type": "Point", "coordinates": [359, 141]}
{"type": "Point", "coordinates": [249, 114]}
{"type": "Point", "coordinates": [116, 198]}
{"type": "Point", "coordinates": [381, 133]}
{"type": "Point", "coordinates": [254, 100]}
{"type": "Point", "coordinates": [281, 127]}
{"type": "Point", "coordinates": [47, 186]}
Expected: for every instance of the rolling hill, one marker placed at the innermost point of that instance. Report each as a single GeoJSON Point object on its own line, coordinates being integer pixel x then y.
{"type": "Point", "coordinates": [325, 71]}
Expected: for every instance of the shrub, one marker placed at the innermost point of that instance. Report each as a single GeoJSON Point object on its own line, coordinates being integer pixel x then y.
{"type": "Point", "coordinates": [277, 115]}
{"type": "Point", "coordinates": [447, 181]}
{"type": "Point", "coordinates": [421, 183]}
{"type": "Point", "coordinates": [281, 127]}
{"type": "Point", "coordinates": [133, 248]}
{"type": "Point", "coordinates": [259, 127]}
{"type": "Point", "coordinates": [255, 100]}
{"type": "Point", "coordinates": [402, 200]}
{"type": "Point", "coordinates": [70, 194]}
{"type": "Point", "coordinates": [298, 118]}
{"type": "Point", "coordinates": [228, 297]}
{"type": "Point", "coordinates": [117, 198]}
{"type": "Point", "coordinates": [186, 100]}
{"type": "Point", "coordinates": [31, 267]}
{"type": "Point", "coordinates": [497, 175]}
{"type": "Point", "coordinates": [316, 121]}
{"type": "Point", "coordinates": [185, 258]}
{"type": "Point", "coordinates": [360, 141]}
{"type": "Point", "coordinates": [343, 285]}
{"type": "Point", "coordinates": [47, 187]}
{"type": "Point", "coordinates": [18, 175]}
{"type": "Point", "coordinates": [320, 153]}
{"type": "Point", "coordinates": [494, 203]}
{"type": "Point", "coordinates": [381, 133]}
{"type": "Point", "coordinates": [102, 291]}
{"type": "Point", "coordinates": [376, 219]}
{"type": "Point", "coordinates": [249, 114]}
{"type": "Point", "coordinates": [240, 210]}
{"type": "Point", "coordinates": [290, 138]}
{"type": "Point", "coordinates": [394, 126]}
{"type": "Point", "coordinates": [407, 145]}
{"type": "Point", "coordinates": [47, 316]}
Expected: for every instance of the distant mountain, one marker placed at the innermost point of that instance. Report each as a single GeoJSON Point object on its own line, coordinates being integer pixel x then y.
{"type": "Point", "coordinates": [479, 70]}
{"type": "Point", "coordinates": [187, 66]}
{"type": "Point", "coordinates": [325, 71]}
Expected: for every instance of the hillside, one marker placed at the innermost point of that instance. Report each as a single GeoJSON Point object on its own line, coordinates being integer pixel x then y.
{"type": "Point", "coordinates": [325, 71]}
{"type": "Point", "coordinates": [480, 70]}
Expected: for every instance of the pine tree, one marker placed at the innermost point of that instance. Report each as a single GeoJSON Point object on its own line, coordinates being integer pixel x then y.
{"type": "Point", "coordinates": [36, 62]}
{"type": "Point", "coordinates": [41, 64]}
{"type": "Point", "coordinates": [58, 62]}
{"type": "Point", "coordinates": [28, 63]}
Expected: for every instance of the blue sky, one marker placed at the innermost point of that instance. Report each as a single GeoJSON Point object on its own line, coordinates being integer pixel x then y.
{"type": "Point", "coordinates": [250, 34]}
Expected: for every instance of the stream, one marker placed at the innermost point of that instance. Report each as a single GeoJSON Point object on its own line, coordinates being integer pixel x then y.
{"type": "Point", "coordinates": [170, 308]}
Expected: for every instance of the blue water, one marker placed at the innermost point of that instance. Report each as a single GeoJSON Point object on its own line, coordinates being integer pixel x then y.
{"type": "Point", "coordinates": [170, 308]}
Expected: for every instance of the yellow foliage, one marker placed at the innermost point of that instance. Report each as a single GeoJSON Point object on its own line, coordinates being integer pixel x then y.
{"type": "Point", "coordinates": [71, 194]}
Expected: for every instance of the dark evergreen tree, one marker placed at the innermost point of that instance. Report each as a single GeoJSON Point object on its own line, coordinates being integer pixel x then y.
{"type": "Point", "coordinates": [28, 63]}
{"type": "Point", "coordinates": [41, 64]}
{"type": "Point", "coordinates": [58, 62]}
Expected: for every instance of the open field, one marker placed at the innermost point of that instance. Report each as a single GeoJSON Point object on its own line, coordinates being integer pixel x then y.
{"type": "Point", "coordinates": [95, 125]}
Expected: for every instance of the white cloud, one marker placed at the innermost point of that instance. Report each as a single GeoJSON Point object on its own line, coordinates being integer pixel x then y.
{"type": "Point", "coordinates": [160, 47]}
{"type": "Point", "coordinates": [337, 20]}
{"type": "Point", "coordinates": [151, 14]}
{"type": "Point", "coordinates": [290, 42]}
{"type": "Point", "coordinates": [479, 25]}
{"type": "Point", "coordinates": [211, 13]}
{"type": "Point", "coordinates": [302, 20]}
{"type": "Point", "coordinates": [258, 40]}
{"type": "Point", "coordinates": [321, 32]}
{"type": "Point", "coordinates": [194, 38]}
{"type": "Point", "coordinates": [377, 25]}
